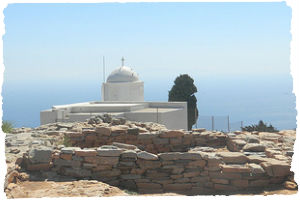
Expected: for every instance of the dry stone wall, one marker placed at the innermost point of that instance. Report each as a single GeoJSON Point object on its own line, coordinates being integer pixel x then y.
{"type": "Point", "coordinates": [129, 167]}
{"type": "Point", "coordinates": [151, 159]}
{"type": "Point", "coordinates": [151, 141]}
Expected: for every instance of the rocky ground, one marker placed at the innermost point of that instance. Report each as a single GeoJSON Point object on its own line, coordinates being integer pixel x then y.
{"type": "Point", "coordinates": [83, 188]}
{"type": "Point", "coordinates": [21, 184]}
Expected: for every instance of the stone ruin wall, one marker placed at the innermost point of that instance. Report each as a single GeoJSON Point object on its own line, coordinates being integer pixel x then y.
{"type": "Point", "coordinates": [154, 142]}
{"type": "Point", "coordinates": [154, 166]}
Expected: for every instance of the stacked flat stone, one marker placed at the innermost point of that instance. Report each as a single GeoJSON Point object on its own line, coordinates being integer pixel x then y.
{"type": "Point", "coordinates": [196, 172]}
{"type": "Point", "coordinates": [154, 142]}
{"type": "Point", "coordinates": [39, 159]}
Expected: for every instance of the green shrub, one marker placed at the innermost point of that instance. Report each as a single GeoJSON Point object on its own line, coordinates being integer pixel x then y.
{"type": "Point", "coordinates": [7, 126]}
{"type": "Point", "coordinates": [184, 90]}
{"type": "Point", "coordinates": [261, 127]}
{"type": "Point", "coordinates": [66, 142]}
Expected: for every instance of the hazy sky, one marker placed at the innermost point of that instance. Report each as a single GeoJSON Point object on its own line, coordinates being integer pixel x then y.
{"type": "Point", "coordinates": [54, 42]}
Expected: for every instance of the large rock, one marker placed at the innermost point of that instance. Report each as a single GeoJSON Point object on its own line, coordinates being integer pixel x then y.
{"type": "Point", "coordinates": [269, 136]}
{"type": "Point", "coordinates": [276, 168]}
{"type": "Point", "coordinates": [172, 133]}
{"type": "Point", "coordinates": [40, 155]}
{"type": "Point", "coordinates": [170, 155]}
{"type": "Point", "coordinates": [256, 169]}
{"type": "Point", "coordinates": [86, 152]}
{"type": "Point", "coordinates": [190, 156]}
{"type": "Point", "coordinates": [180, 156]}
{"type": "Point", "coordinates": [118, 121]}
{"type": "Point", "coordinates": [64, 125]}
{"type": "Point", "coordinates": [233, 157]}
{"type": "Point", "coordinates": [213, 161]}
{"type": "Point", "coordinates": [129, 154]}
{"type": "Point", "coordinates": [256, 159]}
{"type": "Point", "coordinates": [290, 185]}
{"type": "Point", "coordinates": [271, 152]}
{"type": "Point", "coordinates": [235, 168]}
{"type": "Point", "coordinates": [235, 144]}
{"type": "Point", "coordinates": [122, 129]}
{"type": "Point", "coordinates": [70, 150]}
{"type": "Point", "coordinates": [147, 156]}
{"type": "Point", "coordinates": [202, 149]}
{"type": "Point", "coordinates": [254, 147]}
{"type": "Point", "coordinates": [124, 146]}
{"type": "Point", "coordinates": [103, 131]}
{"type": "Point", "coordinates": [252, 139]}
{"type": "Point", "coordinates": [110, 151]}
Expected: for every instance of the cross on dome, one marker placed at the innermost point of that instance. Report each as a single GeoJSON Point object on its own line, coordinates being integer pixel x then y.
{"type": "Point", "coordinates": [122, 74]}
{"type": "Point", "coordinates": [122, 61]}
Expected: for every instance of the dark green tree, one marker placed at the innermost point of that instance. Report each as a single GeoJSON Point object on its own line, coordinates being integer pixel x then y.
{"type": "Point", "coordinates": [184, 90]}
{"type": "Point", "coordinates": [261, 126]}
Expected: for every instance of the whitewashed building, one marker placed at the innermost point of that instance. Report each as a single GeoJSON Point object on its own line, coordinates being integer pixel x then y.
{"type": "Point", "coordinates": [122, 96]}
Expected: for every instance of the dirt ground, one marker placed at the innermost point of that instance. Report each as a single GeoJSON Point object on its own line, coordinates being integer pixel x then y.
{"type": "Point", "coordinates": [29, 189]}
{"type": "Point", "coordinates": [88, 188]}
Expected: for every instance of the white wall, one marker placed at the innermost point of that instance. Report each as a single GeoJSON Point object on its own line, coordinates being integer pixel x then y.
{"type": "Point", "coordinates": [126, 91]}
{"type": "Point", "coordinates": [143, 116]}
{"type": "Point", "coordinates": [173, 119]}
{"type": "Point", "coordinates": [48, 116]}
{"type": "Point", "coordinates": [176, 119]}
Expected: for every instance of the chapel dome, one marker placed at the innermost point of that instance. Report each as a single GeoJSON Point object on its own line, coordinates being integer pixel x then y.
{"type": "Point", "coordinates": [122, 74]}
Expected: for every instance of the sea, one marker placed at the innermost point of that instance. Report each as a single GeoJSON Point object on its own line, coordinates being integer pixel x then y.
{"type": "Point", "coordinates": [241, 101]}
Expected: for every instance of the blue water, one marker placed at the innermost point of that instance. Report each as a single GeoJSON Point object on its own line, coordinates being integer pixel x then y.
{"type": "Point", "coordinates": [244, 99]}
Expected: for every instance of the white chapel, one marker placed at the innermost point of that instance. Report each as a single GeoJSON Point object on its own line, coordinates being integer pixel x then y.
{"type": "Point", "coordinates": [123, 84]}
{"type": "Point", "coordinates": [122, 96]}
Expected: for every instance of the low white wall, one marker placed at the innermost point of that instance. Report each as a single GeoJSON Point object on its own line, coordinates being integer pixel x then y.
{"type": "Point", "coordinates": [173, 119]}
{"type": "Point", "coordinates": [143, 117]}
{"type": "Point", "coordinates": [98, 108]}
{"type": "Point", "coordinates": [48, 116]}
